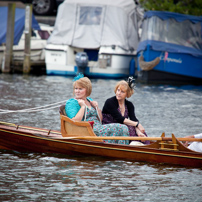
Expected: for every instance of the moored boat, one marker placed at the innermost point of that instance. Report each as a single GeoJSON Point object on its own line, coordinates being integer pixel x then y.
{"type": "Point", "coordinates": [105, 32]}
{"type": "Point", "coordinates": [40, 34]}
{"type": "Point", "coordinates": [170, 48]}
{"type": "Point", "coordinates": [77, 138]}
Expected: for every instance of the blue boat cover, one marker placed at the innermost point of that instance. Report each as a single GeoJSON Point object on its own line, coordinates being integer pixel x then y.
{"type": "Point", "coordinates": [164, 15]}
{"type": "Point", "coordinates": [172, 32]}
{"type": "Point", "coordinates": [19, 24]}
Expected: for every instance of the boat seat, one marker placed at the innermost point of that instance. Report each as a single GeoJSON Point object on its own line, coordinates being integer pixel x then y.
{"type": "Point", "coordinates": [71, 128]}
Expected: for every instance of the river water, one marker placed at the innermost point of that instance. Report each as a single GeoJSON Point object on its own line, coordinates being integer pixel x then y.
{"type": "Point", "coordinates": [53, 177]}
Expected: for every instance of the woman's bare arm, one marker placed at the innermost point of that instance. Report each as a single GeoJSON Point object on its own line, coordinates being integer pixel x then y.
{"type": "Point", "coordinates": [129, 122]}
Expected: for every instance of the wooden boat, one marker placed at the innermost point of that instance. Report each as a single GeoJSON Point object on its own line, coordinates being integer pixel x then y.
{"type": "Point", "coordinates": [77, 138]}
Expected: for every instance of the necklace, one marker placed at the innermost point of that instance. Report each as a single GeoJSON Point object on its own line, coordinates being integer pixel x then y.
{"type": "Point", "coordinates": [122, 109]}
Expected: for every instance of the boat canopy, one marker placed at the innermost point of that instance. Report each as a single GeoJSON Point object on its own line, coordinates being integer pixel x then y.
{"type": "Point", "coordinates": [94, 23]}
{"type": "Point", "coordinates": [172, 32]}
{"type": "Point", "coordinates": [19, 24]}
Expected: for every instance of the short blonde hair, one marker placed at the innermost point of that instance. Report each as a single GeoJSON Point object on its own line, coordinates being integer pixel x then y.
{"type": "Point", "coordinates": [85, 83]}
{"type": "Point", "coordinates": [124, 86]}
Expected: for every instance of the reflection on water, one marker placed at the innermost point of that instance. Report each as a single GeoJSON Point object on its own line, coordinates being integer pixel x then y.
{"type": "Point", "coordinates": [42, 177]}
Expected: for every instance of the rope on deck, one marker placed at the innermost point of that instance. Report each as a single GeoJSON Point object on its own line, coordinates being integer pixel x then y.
{"type": "Point", "coordinates": [146, 66]}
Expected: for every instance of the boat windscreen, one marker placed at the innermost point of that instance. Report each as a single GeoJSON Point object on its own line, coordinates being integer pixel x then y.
{"type": "Point", "coordinates": [185, 33]}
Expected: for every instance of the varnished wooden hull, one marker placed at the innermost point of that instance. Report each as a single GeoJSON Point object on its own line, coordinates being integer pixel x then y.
{"type": "Point", "coordinates": [29, 139]}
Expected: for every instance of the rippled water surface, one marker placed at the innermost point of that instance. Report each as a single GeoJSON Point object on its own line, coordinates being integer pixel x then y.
{"type": "Point", "coordinates": [51, 177]}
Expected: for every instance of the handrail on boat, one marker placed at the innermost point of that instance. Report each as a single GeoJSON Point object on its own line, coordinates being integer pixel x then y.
{"type": "Point", "coordinates": [82, 130]}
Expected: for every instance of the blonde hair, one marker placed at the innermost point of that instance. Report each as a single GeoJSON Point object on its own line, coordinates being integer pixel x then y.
{"type": "Point", "coordinates": [124, 86]}
{"type": "Point", "coordinates": [85, 83]}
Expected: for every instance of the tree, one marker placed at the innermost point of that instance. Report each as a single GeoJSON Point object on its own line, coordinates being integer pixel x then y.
{"type": "Point", "coordinates": [189, 7]}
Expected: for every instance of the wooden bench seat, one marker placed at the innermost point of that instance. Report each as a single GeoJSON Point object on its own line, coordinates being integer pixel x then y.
{"type": "Point", "coordinates": [71, 128]}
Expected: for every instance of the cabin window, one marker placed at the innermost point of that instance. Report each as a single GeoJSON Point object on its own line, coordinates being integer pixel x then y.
{"type": "Point", "coordinates": [104, 61]}
{"type": "Point", "coordinates": [90, 15]}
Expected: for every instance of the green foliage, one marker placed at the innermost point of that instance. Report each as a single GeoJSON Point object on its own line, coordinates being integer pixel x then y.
{"type": "Point", "coordinates": [190, 7]}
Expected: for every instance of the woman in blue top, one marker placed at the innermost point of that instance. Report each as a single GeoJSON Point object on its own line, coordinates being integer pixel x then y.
{"type": "Point", "coordinates": [83, 108]}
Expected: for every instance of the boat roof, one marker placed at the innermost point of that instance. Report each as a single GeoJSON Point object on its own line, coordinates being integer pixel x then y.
{"type": "Point", "coordinates": [19, 24]}
{"type": "Point", "coordinates": [165, 15]}
{"type": "Point", "coordinates": [128, 5]}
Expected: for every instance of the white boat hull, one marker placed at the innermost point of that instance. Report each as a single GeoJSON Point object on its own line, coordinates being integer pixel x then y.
{"type": "Point", "coordinates": [60, 60]}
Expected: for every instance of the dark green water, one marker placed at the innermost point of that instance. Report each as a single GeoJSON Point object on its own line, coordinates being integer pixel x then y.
{"type": "Point", "coordinates": [42, 177]}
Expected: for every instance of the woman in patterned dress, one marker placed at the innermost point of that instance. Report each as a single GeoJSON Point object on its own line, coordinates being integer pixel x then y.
{"type": "Point", "coordinates": [83, 108]}
{"type": "Point", "coordinates": [118, 109]}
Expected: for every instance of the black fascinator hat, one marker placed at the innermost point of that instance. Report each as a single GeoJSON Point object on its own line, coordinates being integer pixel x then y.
{"type": "Point", "coordinates": [131, 82]}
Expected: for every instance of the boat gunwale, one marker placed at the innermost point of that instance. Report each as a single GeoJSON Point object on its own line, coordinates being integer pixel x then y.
{"type": "Point", "coordinates": [102, 145]}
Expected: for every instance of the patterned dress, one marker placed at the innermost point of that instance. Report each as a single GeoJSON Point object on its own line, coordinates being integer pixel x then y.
{"type": "Point", "coordinates": [108, 119]}
{"type": "Point", "coordinates": [114, 129]}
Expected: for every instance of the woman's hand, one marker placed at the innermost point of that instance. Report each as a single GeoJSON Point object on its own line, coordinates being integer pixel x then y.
{"type": "Point", "coordinates": [141, 128]}
{"type": "Point", "coordinates": [81, 102]}
{"type": "Point", "coordinates": [186, 143]}
{"type": "Point", "coordinates": [80, 113]}
{"type": "Point", "coordinates": [94, 104]}
{"type": "Point", "coordinates": [140, 134]}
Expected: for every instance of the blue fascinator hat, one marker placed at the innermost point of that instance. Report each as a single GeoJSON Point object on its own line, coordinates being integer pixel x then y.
{"type": "Point", "coordinates": [79, 76]}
